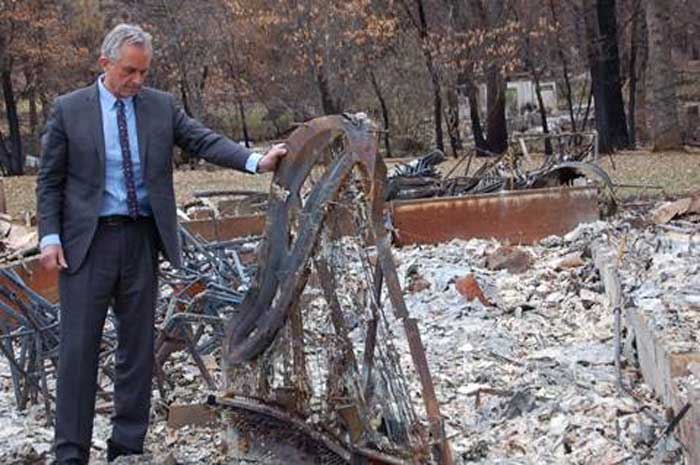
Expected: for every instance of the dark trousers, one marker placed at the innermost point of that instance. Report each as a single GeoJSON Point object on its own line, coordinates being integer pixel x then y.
{"type": "Point", "coordinates": [121, 269]}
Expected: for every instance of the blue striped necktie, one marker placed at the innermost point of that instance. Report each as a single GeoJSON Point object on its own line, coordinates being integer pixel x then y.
{"type": "Point", "coordinates": [131, 200]}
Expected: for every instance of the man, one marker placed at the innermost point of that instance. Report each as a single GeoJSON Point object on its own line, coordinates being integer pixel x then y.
{"type": "Point", "coordinates": [106, 206]}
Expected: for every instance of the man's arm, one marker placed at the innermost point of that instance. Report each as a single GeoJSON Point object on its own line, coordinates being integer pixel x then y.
{"type": "Point", "coordinates": [49, 189]}
{"type": "Point", "coordinates": [195, 138]}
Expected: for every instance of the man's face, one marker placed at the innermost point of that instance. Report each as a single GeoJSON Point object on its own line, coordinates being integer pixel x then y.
{"type": "Point", "coordinates": [125, 76]}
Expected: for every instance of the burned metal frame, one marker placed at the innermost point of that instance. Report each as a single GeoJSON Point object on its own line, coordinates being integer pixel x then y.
{"type": "Point", "coordinates": [576, 156]}
{"type": "Point", "coordinates": [250, 413]}
{"type": "Point", "coordinates": [203, 293]}
{"type": "Point", "coordinates": [287, 253]}
{"type": "Point", "coordinates": [191, 318]}
{"type": "Point", "coordinates": [29, 338]}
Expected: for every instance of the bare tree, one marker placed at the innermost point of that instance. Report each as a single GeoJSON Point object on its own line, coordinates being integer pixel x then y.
{"type": "Point", "coordinates": [496, 128]}
{"type": "Point", "coordinates": [564, 65]}
{"type": "Point", "coordinates": [665, 128]}
{"type": "Point", "coordinates": [604, 61]}
{"type": "Point", "coordinates": [483, 53]}
{"type": "Point", "coordinates": [420, 23]}
{"type": "Point", "coordinates": [34, 45]}
{"type": "Point", "coordinates": [462, 24]}
{"type": "Point", "coordinates": [633, 69]}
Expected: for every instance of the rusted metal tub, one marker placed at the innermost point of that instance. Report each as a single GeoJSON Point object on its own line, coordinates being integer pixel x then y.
{"type": "Point", "coordinates": [519, 217]}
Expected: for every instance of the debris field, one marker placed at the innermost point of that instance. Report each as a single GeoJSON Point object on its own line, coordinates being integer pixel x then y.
{"type": "Point", "coordinates": [523, 367]}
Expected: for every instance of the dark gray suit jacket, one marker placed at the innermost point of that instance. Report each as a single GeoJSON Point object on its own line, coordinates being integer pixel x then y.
{"type": "Point", "coordinates": [72, 171]}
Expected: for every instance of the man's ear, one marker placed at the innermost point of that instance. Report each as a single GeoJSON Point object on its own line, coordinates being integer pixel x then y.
{"type": "Point", "coordinates": [103, 61]}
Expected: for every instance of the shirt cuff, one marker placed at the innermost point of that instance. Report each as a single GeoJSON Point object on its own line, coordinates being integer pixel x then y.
{"type": "Point", "coordinates": [49, 239]}
{"type": "Point", "coordinates": [251, 164]}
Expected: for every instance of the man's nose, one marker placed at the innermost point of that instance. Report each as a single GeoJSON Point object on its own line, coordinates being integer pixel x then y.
{"type": "Point", "coordinates": [138, 79]}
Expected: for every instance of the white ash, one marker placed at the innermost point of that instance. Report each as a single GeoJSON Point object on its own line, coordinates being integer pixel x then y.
{"type": "Point", "coordinates": [531, 379]}
{"type": "Point", "coordinates": [527, 381]}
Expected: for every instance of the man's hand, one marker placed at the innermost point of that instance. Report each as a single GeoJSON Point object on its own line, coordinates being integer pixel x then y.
{"type": "Point", "coordinates": [52, 258]}
{"type": "Point", "coordinates": [272, 157]}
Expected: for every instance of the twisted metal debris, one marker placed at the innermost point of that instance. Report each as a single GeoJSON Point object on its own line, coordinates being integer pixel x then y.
{"type": "Point", "coordinates": [200, 297]}
{"type": "Point", "coordinates": [326, 206]}
{"type": "Point", "coordinates": [197, 300]}
{"type": "Point", "coordinates": [575, 156]}
{"type": "Point", "coordinates": [29, 336]}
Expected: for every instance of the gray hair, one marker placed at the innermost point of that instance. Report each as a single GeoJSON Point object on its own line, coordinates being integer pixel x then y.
{"type": "Point", "coordinates": [124, 34]}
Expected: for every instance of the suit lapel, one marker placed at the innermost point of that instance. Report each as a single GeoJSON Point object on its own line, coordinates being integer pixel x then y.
{"type": "Point", "coordinates": [142, 110]}
{"type": "Point", "coordinates": [95, 125]}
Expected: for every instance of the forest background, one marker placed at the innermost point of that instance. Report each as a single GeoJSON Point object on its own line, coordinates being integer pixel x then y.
{"type": "Point", "coordinates": [433, 73]}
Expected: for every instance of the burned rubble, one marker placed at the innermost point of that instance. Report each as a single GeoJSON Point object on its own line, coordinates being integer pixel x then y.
{"type": "Point", "coordinates": [527, 379]}
{"type": "Point", "coordinates": [16, 240]}
{"type": "Point", "coordinates": [574, 157]}
{"type": "Point", "coordinates": [315, 342]}
{"type": "Point", "coordinates": [530, 375]}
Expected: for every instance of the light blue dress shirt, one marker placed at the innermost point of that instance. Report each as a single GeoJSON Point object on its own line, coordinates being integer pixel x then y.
{"type": "Point", "coordinates": [114, 196]}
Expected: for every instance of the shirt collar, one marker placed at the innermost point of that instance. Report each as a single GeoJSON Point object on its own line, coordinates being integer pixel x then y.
{"type": "Point", "coordinates": [106, 97]}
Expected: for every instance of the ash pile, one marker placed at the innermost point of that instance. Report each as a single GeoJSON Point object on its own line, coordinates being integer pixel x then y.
{"type": "Point", "coordinates": [521, 341]}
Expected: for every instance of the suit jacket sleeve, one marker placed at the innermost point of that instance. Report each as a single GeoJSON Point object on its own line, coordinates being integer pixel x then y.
{"type": "Point", "coordinates": [52, 173]}
{"type": "Point", "coordinates": [195, 138]}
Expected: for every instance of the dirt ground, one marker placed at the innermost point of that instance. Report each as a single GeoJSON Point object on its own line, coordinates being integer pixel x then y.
{"type": "Point", "coordinates": [650, 174]}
